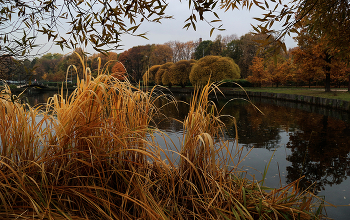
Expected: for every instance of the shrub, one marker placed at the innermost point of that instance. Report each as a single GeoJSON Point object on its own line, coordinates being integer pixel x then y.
{"type": "Point", "coordinates": [179, 73]}
{"type": "Point", "coordinates": [150, 74]}
{"type": "Point", "coordinates": [166, 78]}
{"type": "Point", "coordinates": [160, 72]}
{"type": "Point", "coordinates": [118, 71]}
{"type": "Point", "coordinates": [215, 68]}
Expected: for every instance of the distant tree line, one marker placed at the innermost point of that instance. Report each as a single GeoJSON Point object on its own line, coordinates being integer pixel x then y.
{"type": "Point", "coordinates": [171, 63]}
{"type": "Point", "coordinates": [137, 60]}
{"type": "Point", "coordinates": [54, 67]}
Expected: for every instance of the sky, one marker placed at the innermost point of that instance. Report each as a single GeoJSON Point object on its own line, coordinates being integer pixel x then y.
{"type": "Point", "coordinates": [236, 22]}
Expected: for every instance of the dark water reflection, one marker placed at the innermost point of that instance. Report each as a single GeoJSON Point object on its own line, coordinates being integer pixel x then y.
{"type": "Point", "coordinates": [305, 140]}
{"type": "Point", "coordinates": [300, 139]}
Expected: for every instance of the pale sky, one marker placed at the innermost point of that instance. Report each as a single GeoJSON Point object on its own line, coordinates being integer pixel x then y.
{"type": "Point", "coordinates": [235, 22]}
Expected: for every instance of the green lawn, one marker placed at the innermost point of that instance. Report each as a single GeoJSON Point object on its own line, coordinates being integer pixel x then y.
{"type": "Point", "coordinates": [341, 93]}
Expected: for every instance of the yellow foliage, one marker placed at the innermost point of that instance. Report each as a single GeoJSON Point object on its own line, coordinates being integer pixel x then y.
{"type": "Point", "coordinates": [160, 72]}
{"type": "Point", "coordinates": [215, 68]}
{"type": "Point", "coordinates": [150, 74]}
{"type": "Point", "coordinates": [179, 73]}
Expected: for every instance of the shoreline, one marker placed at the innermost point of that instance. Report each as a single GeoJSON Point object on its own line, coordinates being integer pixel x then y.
{"type": "Point", "coordinates": [324, 102]}
{"type": "Point", "coordinates": [319, 101]}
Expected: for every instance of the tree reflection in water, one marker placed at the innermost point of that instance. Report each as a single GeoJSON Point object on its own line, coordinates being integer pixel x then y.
{"type": "Point", "coordinates": [319, 144]}
{"type": "Point", "coordinates": [320, 151]}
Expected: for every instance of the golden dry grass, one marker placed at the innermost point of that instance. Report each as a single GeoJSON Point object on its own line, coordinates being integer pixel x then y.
{"type": "Point", "coordinates": [93, 155]}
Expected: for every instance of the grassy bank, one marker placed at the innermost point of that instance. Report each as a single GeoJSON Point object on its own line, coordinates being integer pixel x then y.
{"type": "Point", "coordinates": [341, 94]}
{"type": "Point", "coordinates": [93, 155]}
{"type": "Point", "coordinates": [336, 93]}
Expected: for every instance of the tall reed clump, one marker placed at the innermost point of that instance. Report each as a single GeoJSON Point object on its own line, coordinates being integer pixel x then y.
{"type": "Point", "coordinates": [92, 155]}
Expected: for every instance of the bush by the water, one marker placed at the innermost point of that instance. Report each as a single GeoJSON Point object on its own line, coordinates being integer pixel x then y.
{"type": "Point", "coordinates": [179, 73]}
{"type": "Point", "coordinates": [161, 71]}
{"type": "Point", "coordinates": [94, 155]}
{"type": "Point", "coordinates": [215, 69]}
{"type": "Point", "coordinates": [150, 74]}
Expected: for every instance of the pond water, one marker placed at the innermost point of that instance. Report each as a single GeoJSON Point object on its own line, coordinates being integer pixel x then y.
{"type": "Point", "coordinates": [302, 140]}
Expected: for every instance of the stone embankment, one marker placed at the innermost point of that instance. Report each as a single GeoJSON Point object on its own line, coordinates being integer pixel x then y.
{"type": "Point", "coordinates": [332, 103]}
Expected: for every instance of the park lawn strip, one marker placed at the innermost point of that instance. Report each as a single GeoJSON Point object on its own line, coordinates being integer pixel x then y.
{"type": "Point", "coordinates": [341, 94]}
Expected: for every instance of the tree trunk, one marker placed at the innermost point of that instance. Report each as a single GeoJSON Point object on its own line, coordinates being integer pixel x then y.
{"type": "Point", "coordinates": [328, 73]}
{"type": "Point", "coordinates": [349, 84]}
{"type": "Point", "coordinates": [328, 82]}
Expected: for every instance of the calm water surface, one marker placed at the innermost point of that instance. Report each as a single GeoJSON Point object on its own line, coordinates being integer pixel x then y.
{"type": "Point", "coordinates": [301, 139]}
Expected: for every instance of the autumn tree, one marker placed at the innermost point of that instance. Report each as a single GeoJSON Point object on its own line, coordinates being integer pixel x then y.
{"type": "Point", "coordinates": [340, 72]}
{"type": "Point", "coordinates": [48, 64]}
{"type": "Point", "coordinates": [188, 50]}
{"type": "Point", "coordinates": [179, 73]}
{"type": "Point", "coordinates": [118, 71]}
{"type": "Point", "coordinates": [5, 63]}
{"type": "Point", "coordinates": [249, 50]}
{"type": "Point", "coordinates": [315, 56]}
{"type": "Point", "coordinates": [249, 45]}
{"type": "Point", "coordinates": [182, 50]}
{"type": "Point", "coordinates": [308, 66]}
{"type": "Point", "coordinates": [160, 54]}
{"type": "Point", "coordinates": [330, 18]}
{"type": "Point", "coordinates": [176, 47]}
{"type": "Point", "coordinates": [215, 68]}
{"type": "Point", "coordinates": [279, 70]}
{"type": "Point", "coordinates": [259, 74]}
{"type": "Point", "coordinates": [159, 75]}
{"type": "Point", "coordinates": [243, 50]}
{"type": "Point", "coordinates": [136, 61]}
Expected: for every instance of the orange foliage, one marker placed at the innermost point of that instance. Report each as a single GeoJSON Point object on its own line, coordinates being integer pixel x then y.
{"type": "Point", "coordinates": [278, 72]}
{"type": "Point", "coordinates": [317, 59]}
{"type": "Point", "coordinates": [160, 54]}
{"type": "Point", "coordinates": [118, 71]}
{"type": "Point", "coordinates": [259, 74]}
